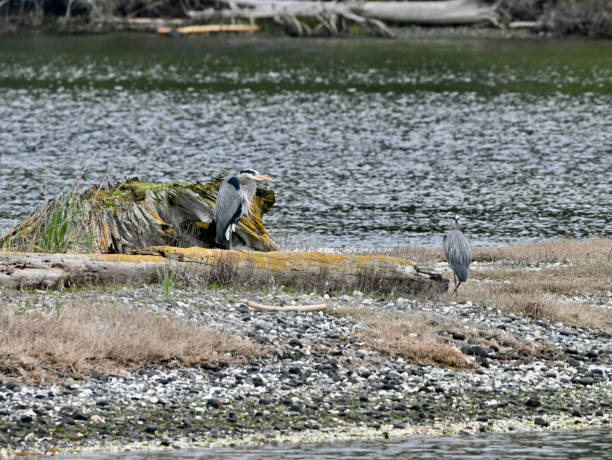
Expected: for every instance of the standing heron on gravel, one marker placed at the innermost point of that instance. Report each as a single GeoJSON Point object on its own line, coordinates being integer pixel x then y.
{"type": "Point", "coordinates": [234, 202]}
{"type": "Point", "coordinates": [457, 252]}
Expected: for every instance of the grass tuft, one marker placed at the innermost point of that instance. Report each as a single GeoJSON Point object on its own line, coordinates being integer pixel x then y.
{"type": "Point", "coordinates": [168, 280]}
{"type": "Point", "coordinates": [80, 340]}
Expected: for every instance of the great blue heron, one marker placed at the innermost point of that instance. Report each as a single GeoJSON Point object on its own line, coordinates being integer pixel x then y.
{"type": "Point", "coordinates": [457, 252]}
{"type": "Point", "coordinates": [233, 202]}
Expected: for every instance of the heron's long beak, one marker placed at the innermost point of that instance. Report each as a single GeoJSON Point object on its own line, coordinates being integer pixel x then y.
{"type": "Point", "coordinates": [260, 177]}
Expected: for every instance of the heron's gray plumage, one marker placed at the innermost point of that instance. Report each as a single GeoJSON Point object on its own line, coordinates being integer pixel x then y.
{"type": "Point", "coordinates": [457, 252]}
{"type": "Point", "coordinates": [234, 202]}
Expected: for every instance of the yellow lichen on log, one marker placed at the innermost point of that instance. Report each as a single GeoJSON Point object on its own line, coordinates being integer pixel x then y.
{"type": "Point", "coordinates": [133, 215]}
{"type": "Point", "coordinates": [290, 262]}
{"type": "Point", "coordinates": [60, 270]}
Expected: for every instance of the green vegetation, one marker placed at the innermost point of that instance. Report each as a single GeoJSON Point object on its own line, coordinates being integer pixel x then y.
{"type": "Point", "coordinates": [168, 280]}
{"type": "Point", "coordinates": [54, 233]}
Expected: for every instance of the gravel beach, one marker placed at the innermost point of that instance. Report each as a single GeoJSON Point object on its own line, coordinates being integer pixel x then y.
{"type": "Point", "coordinates": [317, 381]}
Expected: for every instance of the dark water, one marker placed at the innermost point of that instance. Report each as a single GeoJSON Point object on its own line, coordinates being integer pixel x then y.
{"type": "Point", "coordinates": [593, 445]}
{"type": "Point", "coordinates": [373, 142]}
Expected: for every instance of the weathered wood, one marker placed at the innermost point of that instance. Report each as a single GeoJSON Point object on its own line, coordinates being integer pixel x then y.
{"type": "Point", "coordinates": [133, 215]}
{"type": "Point", "coordinates": [525, 25]}
{"type": "Point", "coordinates": [336, 266]}
{"type": "Point", "coordinates": [449, 12]}
{"type": "Point", "coordinates": [20, 270]}
{"type": "Point", "coordinates": [330, 14]}
{"type": "Point", "coordinates": [56, 271]}
{"type": "Point", "coordinates": [303, 308]}
{"type": "Point", "coordinates": [208, 28]}
{"type": "Point", "coordinates": [421, 12]}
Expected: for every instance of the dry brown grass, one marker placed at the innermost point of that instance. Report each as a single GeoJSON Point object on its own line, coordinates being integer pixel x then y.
{"type": "Point", "coordinates": [559, 280]}
{"type": "Point", "coordinates": [563, 251]}
{"type": "Point", "coordinates": [418, 338]}
{"type": "Point", "coordinates": [419, 255]}
{"type": "Point", "coordinates": [41, 346]}
{"type": "Point", "coordinates": [567, 291]}
{"type": "Point", "coordinates": [526, 300]}
{"type": "Point", "coordinates": [412, 337]}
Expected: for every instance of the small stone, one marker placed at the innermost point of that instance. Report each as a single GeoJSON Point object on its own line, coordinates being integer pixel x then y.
{"type": "Point", "coordinates": [213, 403]}
{"type": "Point", "coordinates": [534, 401]}
{"type": "Point", "coordinates": [584, 380]}
{"type": "Point", "coordinates": [13, 386]}
{"type": "Point", "coordinates": [294, 370]}
{"type": "Point", "coordinates": [458, 335]}
{"type": "Point", "coordinates": [150, 429]}
{"type": "Point", "coordinates": [477, 350]}
{"type": "Point", "coordinates": [540, 421]}
{"type": "Point", "coordinates": [78, 415]}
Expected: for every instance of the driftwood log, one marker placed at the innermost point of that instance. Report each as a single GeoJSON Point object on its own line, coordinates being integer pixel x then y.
{"type": "Point", "coordinates": [134, 215]}
{"type": "Point", "coordinates": [333, 16]}
{"type": "Point", "coordinates": [451, 12]}
{"type": "Point", "coordinates": [207, 29]}
{"type": "Point", "coordinates": [302, 308]}
{"type": "Point", "coordinates": [31, 270]}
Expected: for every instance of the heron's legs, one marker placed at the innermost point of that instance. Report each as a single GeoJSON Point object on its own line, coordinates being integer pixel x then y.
{"type": "Point", "coordinates": [457, 287]}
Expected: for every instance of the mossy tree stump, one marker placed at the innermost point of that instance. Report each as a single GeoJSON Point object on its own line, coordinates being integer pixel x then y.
{"type": "Point", "coordinates": [134, 215]}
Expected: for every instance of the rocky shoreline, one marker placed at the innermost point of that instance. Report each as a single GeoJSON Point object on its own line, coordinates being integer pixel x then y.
{"type": "Point", "coordinates": [319, 382]}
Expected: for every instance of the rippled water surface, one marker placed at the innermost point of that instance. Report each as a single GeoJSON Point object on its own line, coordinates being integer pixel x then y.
{"type": "Point", "coordinates": [373, 142]}
{"type": "Point", "coordinates": [593, 445]}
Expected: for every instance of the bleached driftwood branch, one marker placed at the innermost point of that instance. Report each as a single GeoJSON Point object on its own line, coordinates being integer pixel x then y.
{"type": "Point", "coordinates": [306, 308]}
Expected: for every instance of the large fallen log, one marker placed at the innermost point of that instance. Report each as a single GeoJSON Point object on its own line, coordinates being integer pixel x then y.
{"type": "Point", "coordinates": [133, 215]}
{"type": "Point", "coordinates": [30, 270]}
{"type": "Point", "coordinates": [451, 12]}
{"type": "Point", "coordinates": [331, 14]}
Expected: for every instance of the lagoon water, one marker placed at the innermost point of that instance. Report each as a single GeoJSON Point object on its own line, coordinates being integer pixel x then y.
{"type": "Point", "coordinates": [589, 445]}
{"type": "Point", "coordinates": [374, 143]}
